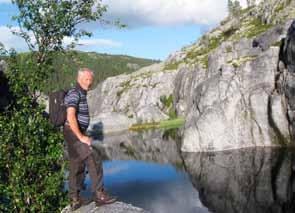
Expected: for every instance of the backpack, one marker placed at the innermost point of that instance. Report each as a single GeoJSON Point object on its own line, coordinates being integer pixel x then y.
{"type": "Point", "coordinates": [57, 108]}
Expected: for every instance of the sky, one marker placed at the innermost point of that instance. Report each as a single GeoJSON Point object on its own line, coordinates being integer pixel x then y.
{"type": "Point", "coordinates": [155, 28]}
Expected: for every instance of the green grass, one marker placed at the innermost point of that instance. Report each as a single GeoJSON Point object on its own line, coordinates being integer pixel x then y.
{"type": "Point", "coordinates": [125, 86]}
{"type": "Point", "coordinates": [165, 124]}
{"type": "Point", "coordinates": [246, 10]}
{"type": "Point", "coordinates": [239, 61]}
{"type": "Point", "coordinates": [172, 66]}
{"type": "Point", "coordinates": [276, 44]}
{"type": "Point", "coordinates": [168, 106]}
{"type": "Point", "coordinates": [279, 8]}
{"type": "Point", "coordinates": [257, 27]}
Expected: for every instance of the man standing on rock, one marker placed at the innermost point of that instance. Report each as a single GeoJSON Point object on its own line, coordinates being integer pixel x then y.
{"type": "Point", "coordinates": [79, 144]}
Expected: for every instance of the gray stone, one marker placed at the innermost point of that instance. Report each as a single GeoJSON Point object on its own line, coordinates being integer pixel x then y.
{"type": "Point", "coordinates": [132, 98]}
{"type": "Point", "coordinates": [118, 207]}
{"type": "Point", "coordinates": [231, 109]}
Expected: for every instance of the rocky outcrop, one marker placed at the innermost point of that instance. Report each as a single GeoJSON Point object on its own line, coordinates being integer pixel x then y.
{"type": "Point", "coordinates": [275, 11]}
{"type": "Point", "coordinates": [117, 207]}
{"type": "Point", "coordinates": [230, 86]}
{"type": "Point", "coordinates": [133, 98]}
{"type": "Point", "coordinates": [245, 180]}
{"type": "Point", "coordinates": [237, 104]}
{"type": "Point", "coordinates": [286, 76]}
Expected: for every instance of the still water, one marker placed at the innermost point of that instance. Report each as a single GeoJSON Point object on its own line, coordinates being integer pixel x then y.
{"type": "Point", "coordinates": [148, 171]}
{"type": "Point", "coordinates": [154, 187]}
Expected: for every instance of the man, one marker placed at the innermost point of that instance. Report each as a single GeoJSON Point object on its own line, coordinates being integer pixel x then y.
{"type": "Point", "coordinates": [79, 144]}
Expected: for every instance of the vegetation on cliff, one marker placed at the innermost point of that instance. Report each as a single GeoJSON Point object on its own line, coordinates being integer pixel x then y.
{"type": "Point", "coordinates": [241, 23]}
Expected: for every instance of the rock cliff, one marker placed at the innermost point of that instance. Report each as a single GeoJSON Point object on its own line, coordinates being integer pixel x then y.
{"type": "Point", "coordinates": [230, 85]}
{"type": "Point", "coordinates": [125, 99]}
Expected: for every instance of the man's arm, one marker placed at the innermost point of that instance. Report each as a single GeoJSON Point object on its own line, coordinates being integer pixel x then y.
{"type": "Point", "coordinates": [72, 119]}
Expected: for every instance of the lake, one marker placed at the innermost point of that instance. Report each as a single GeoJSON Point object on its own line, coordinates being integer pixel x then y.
{"type": "Point", "coordinates": [148, 171]}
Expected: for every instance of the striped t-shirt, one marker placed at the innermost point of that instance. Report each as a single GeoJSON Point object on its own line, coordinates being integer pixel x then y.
{"type": "Point", "coordinates": [77, 98]}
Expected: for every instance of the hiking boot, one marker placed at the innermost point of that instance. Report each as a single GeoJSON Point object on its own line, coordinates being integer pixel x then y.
{"type": "Point", "coordinates": [102, 198]}
{"type": "Point", "coordinates": [75, 203]}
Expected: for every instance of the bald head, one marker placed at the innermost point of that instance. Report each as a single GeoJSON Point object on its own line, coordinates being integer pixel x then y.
{"type": "Point", "coordinates": [85, 78]}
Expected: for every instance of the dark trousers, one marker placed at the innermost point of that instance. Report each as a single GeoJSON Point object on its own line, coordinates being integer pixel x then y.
{"type": "Point", "coordinates": [81, 155]}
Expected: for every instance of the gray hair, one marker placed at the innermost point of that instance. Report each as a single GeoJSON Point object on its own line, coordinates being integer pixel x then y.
{"type": "Point", "coordinates": [83, 70]}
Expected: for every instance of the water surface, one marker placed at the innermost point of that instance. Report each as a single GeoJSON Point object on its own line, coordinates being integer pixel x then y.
{"type": "Point", "coordinates": [154, 187]}
{"type": "Point", "coordinates": [150, 172]}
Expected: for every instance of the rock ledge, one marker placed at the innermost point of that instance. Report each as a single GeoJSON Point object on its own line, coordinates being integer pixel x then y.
{"type": "Point", "coordinates": [118, 207]}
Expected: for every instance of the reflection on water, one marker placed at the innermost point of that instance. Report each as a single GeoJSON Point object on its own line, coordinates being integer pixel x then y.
{"type": "Point", "coordinates": [247, 180]}
{"type": "Point", "coordinates": [154, 187]}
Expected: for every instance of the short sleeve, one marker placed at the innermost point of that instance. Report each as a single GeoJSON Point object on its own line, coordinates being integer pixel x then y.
{"type": "Point", "coordinates": [72, 99]}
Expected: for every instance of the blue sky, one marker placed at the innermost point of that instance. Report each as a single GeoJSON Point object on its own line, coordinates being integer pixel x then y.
{"type": "Point", "coordinates": [156, 28]}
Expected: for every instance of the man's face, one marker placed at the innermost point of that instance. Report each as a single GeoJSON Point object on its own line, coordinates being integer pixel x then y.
{"type": "Point", "coordinates": [85, 80]}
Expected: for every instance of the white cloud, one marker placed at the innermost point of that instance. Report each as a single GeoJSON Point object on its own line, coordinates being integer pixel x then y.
{"type": "Point", "coordinates": [5, 1]}
{"type": "Point", "coordinates": [167, 12]}
{"type": "Point", "coordinates": [11, 41]}
{"type": "Point", "coordinates": [93, 43]}
{"type": "Point", "coordinates": [99, 43]}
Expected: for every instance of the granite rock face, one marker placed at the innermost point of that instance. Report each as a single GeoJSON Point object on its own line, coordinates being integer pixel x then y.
{"type": "Point", "coordinates": [238, 102]}
{"type": "Point", "coordinates": [134, 97]}
{"type": "Point", "coordinates": [231, 86]}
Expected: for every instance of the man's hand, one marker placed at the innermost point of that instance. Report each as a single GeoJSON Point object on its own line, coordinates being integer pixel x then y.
{"type": "Point", "coordinates": [72, 119]}
{"type": "Point", "coordinates": [86, 139]}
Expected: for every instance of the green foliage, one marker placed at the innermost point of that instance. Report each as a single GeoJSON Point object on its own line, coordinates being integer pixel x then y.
{"type": "Point", "coordinates": [228, 33]}
{"type": "Point", "coordinates": [234, 7]}
{"type": "Point", "coordinates": [31, 178]}
{"type": "Point", "coordinates": [126, 85]}
{"type": "Point", "coordinates": [172, 66]}
{"type": "Point", "coordinates": [53, 20]}
{"type": "Point", "coordinates": [240, 61]}
{"type": "Point", "coordinates": [247, 10]}
{"type": "Point", "coordinates": [167, 102]}
{"type": "Point", "coordinates": [257, 27]}
{"type": "Point", "coordinates": [277, 43]}
{"type": "Point", "coordinates": [129, 150]}
{"type": "Point", "coordinates": [65, 66]}
{"type": "Point", "coordinates": [165, 124]}
{"type": "Point", "coordinates": [168, 106]}
{"type": "Point", "coordinates": [279, 8]}
{"type": "Point", "coordinates": [200, 54]}
{"type": "Point", "coordinates": [229, 49]}
{"type": "Point", "coordinates": [105, 65]}
{"type": "Point", "coordinates": [31, 150]}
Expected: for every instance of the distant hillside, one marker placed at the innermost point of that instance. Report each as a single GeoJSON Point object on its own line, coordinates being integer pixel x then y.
{"type": "Point", "coordinates": [103, 65]}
